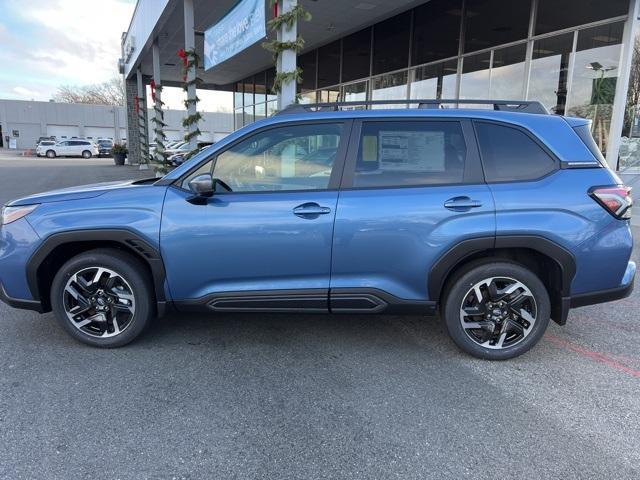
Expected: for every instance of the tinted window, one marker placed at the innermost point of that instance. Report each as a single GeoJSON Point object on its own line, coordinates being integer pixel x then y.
{"type": "Point", "coordinates": [510, 154]}
{"type": "Point", "coordinates": [297, 157]}
{"type": "Point", "coordinates": [410, 153]}
{"type": "Point", "coordinates": [356, 55]}
{"type": "Point", "coordinates": [329, 64]}
{"type": "Point", "coordinates": [436, 31]}
{"type": "Point", "coordinates": [391, 44]}
{"type": "Point", "coordinates": [307, 63]}
{"type": "Point", "coordinates": [558, 14]}
{"type": "Point", "coordinates": [494, 22]}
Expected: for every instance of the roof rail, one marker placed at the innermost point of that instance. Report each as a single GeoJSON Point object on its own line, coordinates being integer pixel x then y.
{"type": "Point", "coordinates": [523, 106]}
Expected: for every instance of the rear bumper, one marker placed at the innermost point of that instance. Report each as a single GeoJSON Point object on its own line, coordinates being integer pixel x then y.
{"type": "Point", "coordinates": [598, 296]}
{"type": "Point", "coordinates": [20, 303]}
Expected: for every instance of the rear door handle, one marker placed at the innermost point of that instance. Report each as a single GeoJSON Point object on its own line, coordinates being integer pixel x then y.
{"type": "Point", "coordinates": [462, 203]}
{"type": "Point", "coordinates": [310, 209]}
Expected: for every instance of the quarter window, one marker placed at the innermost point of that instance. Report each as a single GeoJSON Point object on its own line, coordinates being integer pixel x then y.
{"type": "Point", "coordinates": [299, 157]}
{"type": "Point", "coordinates": [410, 153]}
{"type": "Point", "coordinates": [508, 154]}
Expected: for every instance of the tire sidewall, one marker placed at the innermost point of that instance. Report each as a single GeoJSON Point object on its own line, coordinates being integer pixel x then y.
{"type": "Point", "coordinates": [126, 266]}
{"type": "Point", "coordinates": [461, 284]}
{"type": "Point", "coordinates": [86, 154]}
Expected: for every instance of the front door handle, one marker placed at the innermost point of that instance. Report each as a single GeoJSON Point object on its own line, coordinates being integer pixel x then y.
{"type": "Point", "coordinates": [460, 204]}
{"type": "Point", "coordinates": [310, 209]}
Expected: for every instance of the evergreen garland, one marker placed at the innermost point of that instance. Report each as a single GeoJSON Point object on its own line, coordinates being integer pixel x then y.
{"type": "Point", "coordinates": [275, 46]}
{"type": "Point", "coordinates": [160, 157]}
{"type": "Point", "coordinates": [190, 59]}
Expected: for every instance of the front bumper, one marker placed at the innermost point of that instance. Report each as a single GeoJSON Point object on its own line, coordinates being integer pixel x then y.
{"type": "Point", "coordinates": [20, 303]}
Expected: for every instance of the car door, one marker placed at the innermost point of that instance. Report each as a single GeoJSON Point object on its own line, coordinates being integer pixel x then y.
{"type": "Point", "coordinates": [62, 148]}
{"type": "Point", "coordinates": [266, 243]}
{"type": "Point", "coordinates": [412, 189]}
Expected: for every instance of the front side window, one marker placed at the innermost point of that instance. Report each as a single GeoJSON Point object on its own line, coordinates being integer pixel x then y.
{"type": "Point", "coordinates": [287, 158]}
{"type": "Point", "coordinates": [509, 154]}
{"type": "Point", "coordinates": [410, 153]}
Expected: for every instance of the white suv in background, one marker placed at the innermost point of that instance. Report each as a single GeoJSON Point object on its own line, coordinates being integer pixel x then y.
{"type": "Point", "coordinates": [42, 147]}
{"type": "Point", "coordinates": [70, 148]}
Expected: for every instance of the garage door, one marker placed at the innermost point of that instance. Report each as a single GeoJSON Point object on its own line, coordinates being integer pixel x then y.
{"type": "Point", "coordinates": [62, 131]}
{"type": "Point", "coordinates": [93, 133]}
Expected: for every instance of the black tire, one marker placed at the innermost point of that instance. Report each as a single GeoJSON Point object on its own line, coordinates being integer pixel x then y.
{"type": "Point", "coordinates": [458, 290]}
{"type": "Point", "coordinates": [126, 266]}
{"type": "Point", "coordinates": [86, 154]}
{"type": "Point", "coordinates": [51, 154]}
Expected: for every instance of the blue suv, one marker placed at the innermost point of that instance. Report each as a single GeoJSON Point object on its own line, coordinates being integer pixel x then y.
{"type": "Point", "coordinates": [498, 218]}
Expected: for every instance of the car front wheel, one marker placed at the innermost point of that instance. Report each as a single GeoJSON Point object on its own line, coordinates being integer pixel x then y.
{"type": "Point", "coordinates": [51, 154]}
{"type": "Point", "coordinates": [496, 311]}
{"type": "Point", "coordinates": [86, 154]}
{"type": "Point", "coordinates": [103, 298]}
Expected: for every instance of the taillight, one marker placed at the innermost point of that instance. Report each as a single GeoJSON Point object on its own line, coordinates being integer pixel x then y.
{"type": "Point", "coordinates": [614, 199]}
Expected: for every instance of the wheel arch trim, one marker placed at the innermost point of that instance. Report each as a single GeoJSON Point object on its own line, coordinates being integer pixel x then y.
{"type": "Point", "coordinates": [130, 240]}
{"type": "Point", "coordinates": [466, 248]}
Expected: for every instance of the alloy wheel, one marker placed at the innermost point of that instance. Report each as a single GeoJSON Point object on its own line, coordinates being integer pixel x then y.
{"type": "Point", "coordinates": [498, 312]}
{"type": "Point", "coordinates": [99, 302]}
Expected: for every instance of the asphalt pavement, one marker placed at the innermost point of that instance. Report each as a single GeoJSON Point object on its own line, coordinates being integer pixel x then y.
{"type": "Point", "coordinates": [310, 396]}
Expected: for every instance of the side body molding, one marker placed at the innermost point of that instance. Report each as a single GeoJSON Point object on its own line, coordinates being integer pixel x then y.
{"type": "Point", "coordinates": [128, 239]}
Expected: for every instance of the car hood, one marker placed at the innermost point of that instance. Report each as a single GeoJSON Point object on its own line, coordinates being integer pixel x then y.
{"type": "Point", "coordinates": [77, 193]}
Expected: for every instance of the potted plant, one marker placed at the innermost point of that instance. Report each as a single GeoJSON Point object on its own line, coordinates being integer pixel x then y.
{"type": "Point", "coordinates": [119, 152]}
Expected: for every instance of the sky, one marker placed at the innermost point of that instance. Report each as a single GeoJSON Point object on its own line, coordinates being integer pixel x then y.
{"type": "Point", "coordinates": [48, 43]}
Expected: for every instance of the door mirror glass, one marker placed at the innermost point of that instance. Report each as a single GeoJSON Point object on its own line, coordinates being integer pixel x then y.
{"type": "Point", "coordinates": [202, 185]}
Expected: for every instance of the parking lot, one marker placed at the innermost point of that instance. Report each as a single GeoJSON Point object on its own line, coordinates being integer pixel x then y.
{"type": "Point", "coordinates": [310, 396]}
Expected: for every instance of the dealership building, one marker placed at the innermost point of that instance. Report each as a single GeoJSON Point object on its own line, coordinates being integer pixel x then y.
{"type": "Point", "coordinates": [574, 56]}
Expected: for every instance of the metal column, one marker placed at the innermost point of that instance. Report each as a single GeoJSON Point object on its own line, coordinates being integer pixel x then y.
{"type": "Point", "coordinates": [287, 59]}
{"type": "Point", "coordinates": [622, 85]}
{"type": "Point", "coordinates": [158, 114]}
{"type": "Point", "coordinates": [190, 44]}
{"type": "Point", "coordinates": [142, 122]}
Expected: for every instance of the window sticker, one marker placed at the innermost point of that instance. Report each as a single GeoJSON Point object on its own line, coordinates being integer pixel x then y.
{"type": "Point", "coordinates": [411, 151]}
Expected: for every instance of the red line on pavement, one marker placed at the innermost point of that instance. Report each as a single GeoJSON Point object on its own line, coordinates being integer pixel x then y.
{"type": "Point", "coordinates": [597, 356]}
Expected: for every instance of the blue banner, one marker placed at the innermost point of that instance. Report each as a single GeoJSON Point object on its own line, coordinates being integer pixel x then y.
{"type": "Point", "coordinates": [240, 28]}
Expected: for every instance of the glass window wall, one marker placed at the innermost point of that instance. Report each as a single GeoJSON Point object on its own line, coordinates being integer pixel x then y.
{"type": "Point", "coordinates": [356, 55]}
{"type": "Point", "coordinates": [507, 72]}
{"type": "Point", "coordinates": [434, 81]}
{"type": "Point", "coordinates": [494, 22]}
{"type": "Point", "coordinates": [391, 44]}
{"type": "Point", "coordinates": [436, 31]}
{"type": "Point", "coordinates": [560, 14]}
{"type": "Point", "coordinates": [550, 72]}
{"type": "Point", "coordinates": [595, 73]}
{"type": "Point", "coordinates": [329, 64]}
{"type": "Point", "coordinates": [474, 81]}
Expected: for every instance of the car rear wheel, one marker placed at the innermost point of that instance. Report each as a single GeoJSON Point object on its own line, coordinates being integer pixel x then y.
{"type": "Point", "coordinates": [86, 154]}
{"type": "Point", "coordinates": [51, 154]}
{"type": "Point", "coordinates": [496, 311]}
{"type": "Point", "coordinates": [103, 298]}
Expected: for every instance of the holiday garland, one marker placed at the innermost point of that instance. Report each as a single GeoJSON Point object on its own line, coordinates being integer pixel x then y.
{"type": "Point", "coordinates": [190, 60]}
{"type": "Point", "coordinates": [160, 159]}
{"type": "Point", "coordinates": [277, 47]}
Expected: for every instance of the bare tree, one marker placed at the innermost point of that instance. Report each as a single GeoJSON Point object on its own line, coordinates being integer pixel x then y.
{"type": "Point", "coordinates": [110, 92]}
{"type": "Point", "coordinates": [633, 97]}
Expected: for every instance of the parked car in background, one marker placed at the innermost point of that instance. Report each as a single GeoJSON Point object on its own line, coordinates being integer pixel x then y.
{"type": "Point", "coordinates": [42, 147]}
{"type": "Point", "coordinates": [178, 159]}
{"type": "Point", "coordinates": [499, 220]}
{"type": "Point", "coordinates": [45, 139]}
{"type": "Point", "coordinates": [105, 145]}
{"type": "Point", "coordinates": [72, 148]}
{"type": "Point", "coordinates": [180, 147]}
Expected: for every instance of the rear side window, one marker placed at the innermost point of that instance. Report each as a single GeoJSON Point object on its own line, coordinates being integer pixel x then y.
{"type": "Point", "coordinates": [411, 153]}
{"type": "Point", "coordinates": [509, 154]}
{"type": "Point", "coordinates": [585, 135]}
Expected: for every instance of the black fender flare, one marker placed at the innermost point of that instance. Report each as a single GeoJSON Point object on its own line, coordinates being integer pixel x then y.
{"type": "Point", "coordinates": [127, 238]}
{"type": "Point", "coordinates": [459, 252]}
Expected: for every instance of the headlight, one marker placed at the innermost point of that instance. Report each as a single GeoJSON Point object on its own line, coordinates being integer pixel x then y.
{"type": "Point", "coordinates": [11, 214]}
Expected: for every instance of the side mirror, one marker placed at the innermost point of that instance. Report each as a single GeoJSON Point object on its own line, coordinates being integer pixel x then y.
{"type": "Point", "coordinates": [202, 185]}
